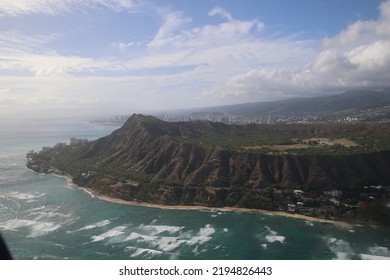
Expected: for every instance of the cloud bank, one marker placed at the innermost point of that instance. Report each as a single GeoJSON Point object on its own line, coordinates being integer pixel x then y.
{"type": "Point", "coordinates": [15, 8]}
{"type": "Point", "coordinates": [184, 63]}
{"type": "Point", "coordinates": [358, 57]}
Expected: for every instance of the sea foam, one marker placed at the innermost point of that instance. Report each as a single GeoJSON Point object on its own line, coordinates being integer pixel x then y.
{"type": "Point", "coordinates": [140, 237]}
{"type": "Point", "coordinates": [96, 225]}
{"type": "Point", "coordinates": [15, 224]}
{"type": "Point", "coordinates": [39, 229]}
{"type": "Point", "coordinates": [25, 196]}
{"type": "Point", "coordinates": [36, 228]}
{"type": "Point", "coordinates": [153, 236]}
{"type": "Point", "coordinates": [168, 244]}
{"type": "Point", "coordinates": [158, 229]}
{"type": "Point", "coordinates": [145, 252]}
{"type": "Point", "coordinates": [373, 257]}
{"type": "Point", "coordinates": [341, 248]}
{"type": "Point", "coordinates": [202, 236]}
{"type": "Point", "coordinates": [273, 236]}
{"type": "Point", "coordinates": [376, 253]}
{"type": "Point", "coordinates": [40, 220]}
{"type": "Point", "coordinates": [119, 230]}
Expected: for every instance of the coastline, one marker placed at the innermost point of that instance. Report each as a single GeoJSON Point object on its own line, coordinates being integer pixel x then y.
{"type": "Point", "coordinates": [215, 209]}
{"type": "Point", "coordinates": [198, 207]}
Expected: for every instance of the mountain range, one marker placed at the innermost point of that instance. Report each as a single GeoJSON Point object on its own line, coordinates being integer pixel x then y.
{"type": "Point", "coordinates": [344, 104]}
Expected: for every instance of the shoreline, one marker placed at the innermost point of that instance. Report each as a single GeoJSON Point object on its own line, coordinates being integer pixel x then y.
{"type": "Point", "coordinates": [93, 193]}
{"type": "Point", "coordinates": [222, 209]}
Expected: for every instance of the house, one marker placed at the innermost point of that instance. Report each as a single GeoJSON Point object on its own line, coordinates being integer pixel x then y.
{"type": "Point", "coordinates": [334, 193]}
{"type": "Point", "coordinates": [76, 141]}
{"type": "Point", "coordinates": [291, 208]}
{"type": "Point", "coordinates": [298, 193]}
{"type": "Point", "coordinates": [60, 145]}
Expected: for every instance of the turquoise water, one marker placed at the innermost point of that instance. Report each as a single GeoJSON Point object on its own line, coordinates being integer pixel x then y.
{"type": "Point", "coordinates": [43, 217]}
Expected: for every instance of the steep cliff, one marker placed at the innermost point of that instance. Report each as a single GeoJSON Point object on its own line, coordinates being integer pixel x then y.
{"type": "Point", "coordinates": [150, 146]}
{"type": "Point", "coordinates": [188, 163]}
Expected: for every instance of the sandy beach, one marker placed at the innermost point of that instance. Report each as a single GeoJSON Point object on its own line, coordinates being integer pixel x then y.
{"type": "Point", "coordinates": [215, 209]}
{"type": "Point", "coordinates": [202, 208]}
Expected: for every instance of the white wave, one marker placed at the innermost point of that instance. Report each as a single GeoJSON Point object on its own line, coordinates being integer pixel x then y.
{"type": "Point", "coordinates": [351, 230]}
{"type": "Point", "coordinates": [39, 229]}
{"type": "Point", "coordinates": [24, 196]}
{"type": "Point", "coordinates": [342, 256]}
{"type": "Point", "coordinates": [47, 214]}
{"type": "Point", "coordinates": [60, 246]}
{"type": "Point", "coordinates": [340, 247]}
{"type": "Point", "coordinates": [195, 251]}
{"type": "Point", "coordinates": [273, 236]}
{"type": "Point", "coordinates": [134, 236]}
{"type": "Point", "coordinates": [225, 230]}
{"type": "Point", "coordinates": [373, 257]}
{"type": "Point", "coordinates": [168, 244]}
{"type": "Point", "coordinates": [15, 224]}
{"type": "Point", "coordinates": [148, 253]}
{"type": "Point", "coordinates": [264, 246]}
{"type": "Point", "coordinates": [331, 240]}
{"type": "Point", "coordinates": [86, 191]}
{"type": "Point", "coordinates": [208, 230]}
{"type": "Point", "coordinates": [379, 251]}
{"type": "Point", "coordinates": [164, 243]}
{"type": "Point", "coordinates": [158, 229]}
{"type": "Point", "coordinates": [43, 213]}
{"type": "Point", "coordinates": [309, 223]}
{"type": "Point", "coordinates": [37, 209]}
{"type": "Point", "coordinates": [119, 230]}
{"type": "Point", "coordinates": [96, 225]}
{"type": "Point", "coordinates": [36, 228]}
{"type": "Point", "coordinates": [203, 236]}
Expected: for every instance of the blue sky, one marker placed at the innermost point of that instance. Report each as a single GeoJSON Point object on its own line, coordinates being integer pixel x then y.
{"type": "Point", "coordinates": [105, 56]}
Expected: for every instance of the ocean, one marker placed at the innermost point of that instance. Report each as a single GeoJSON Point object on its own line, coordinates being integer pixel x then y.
{"type": "Point", "coordinates": [45, 217]}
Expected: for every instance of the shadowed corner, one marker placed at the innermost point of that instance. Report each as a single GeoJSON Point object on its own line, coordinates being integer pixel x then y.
{"type": "Point", "coordinates": [4, 252]}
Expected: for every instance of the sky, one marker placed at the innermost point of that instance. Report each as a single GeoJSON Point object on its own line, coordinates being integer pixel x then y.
{"type": "Point", "coordinates": [94, 57]}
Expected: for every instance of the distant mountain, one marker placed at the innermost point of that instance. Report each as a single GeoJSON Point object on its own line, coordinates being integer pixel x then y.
{"type": "Point", "coordinates": [350, 101]}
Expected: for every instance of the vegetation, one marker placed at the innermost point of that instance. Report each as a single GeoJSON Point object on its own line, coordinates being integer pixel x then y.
{"type": "Point", "coordinates": [284, 138]}
{"type": "Point", "coordinates": [249, 166]}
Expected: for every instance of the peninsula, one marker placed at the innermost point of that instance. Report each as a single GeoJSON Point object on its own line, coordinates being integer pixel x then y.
{"type": "Point", "coordinates": [332, 171]}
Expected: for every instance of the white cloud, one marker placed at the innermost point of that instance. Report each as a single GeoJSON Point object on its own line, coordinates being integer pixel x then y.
{"type": "Point", "coordinates": [362, 32]}
{"type": "Point", "coordinates": [192, 59]}
{"type": "Point", "coordinates": [12, 41]}
{"type": "Point", "coordinates": [55, 7]}
{"type": "Point", "coordinates": [221, 12]}
{"type": "Point", "coordinates": [125, 46]}
{"type": "Point", "coordinates": [173, 23]}
{"type": "Point", "coordinates": [175, 32]}
{"type": "Point", "coordinates": [50, 64]}
{"type": "Point", "coordinates": [25, 7]}
{"type": "Point", "coordinates": [230, 62]}
{"type": "Point", "coordinates": [358, 57]}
